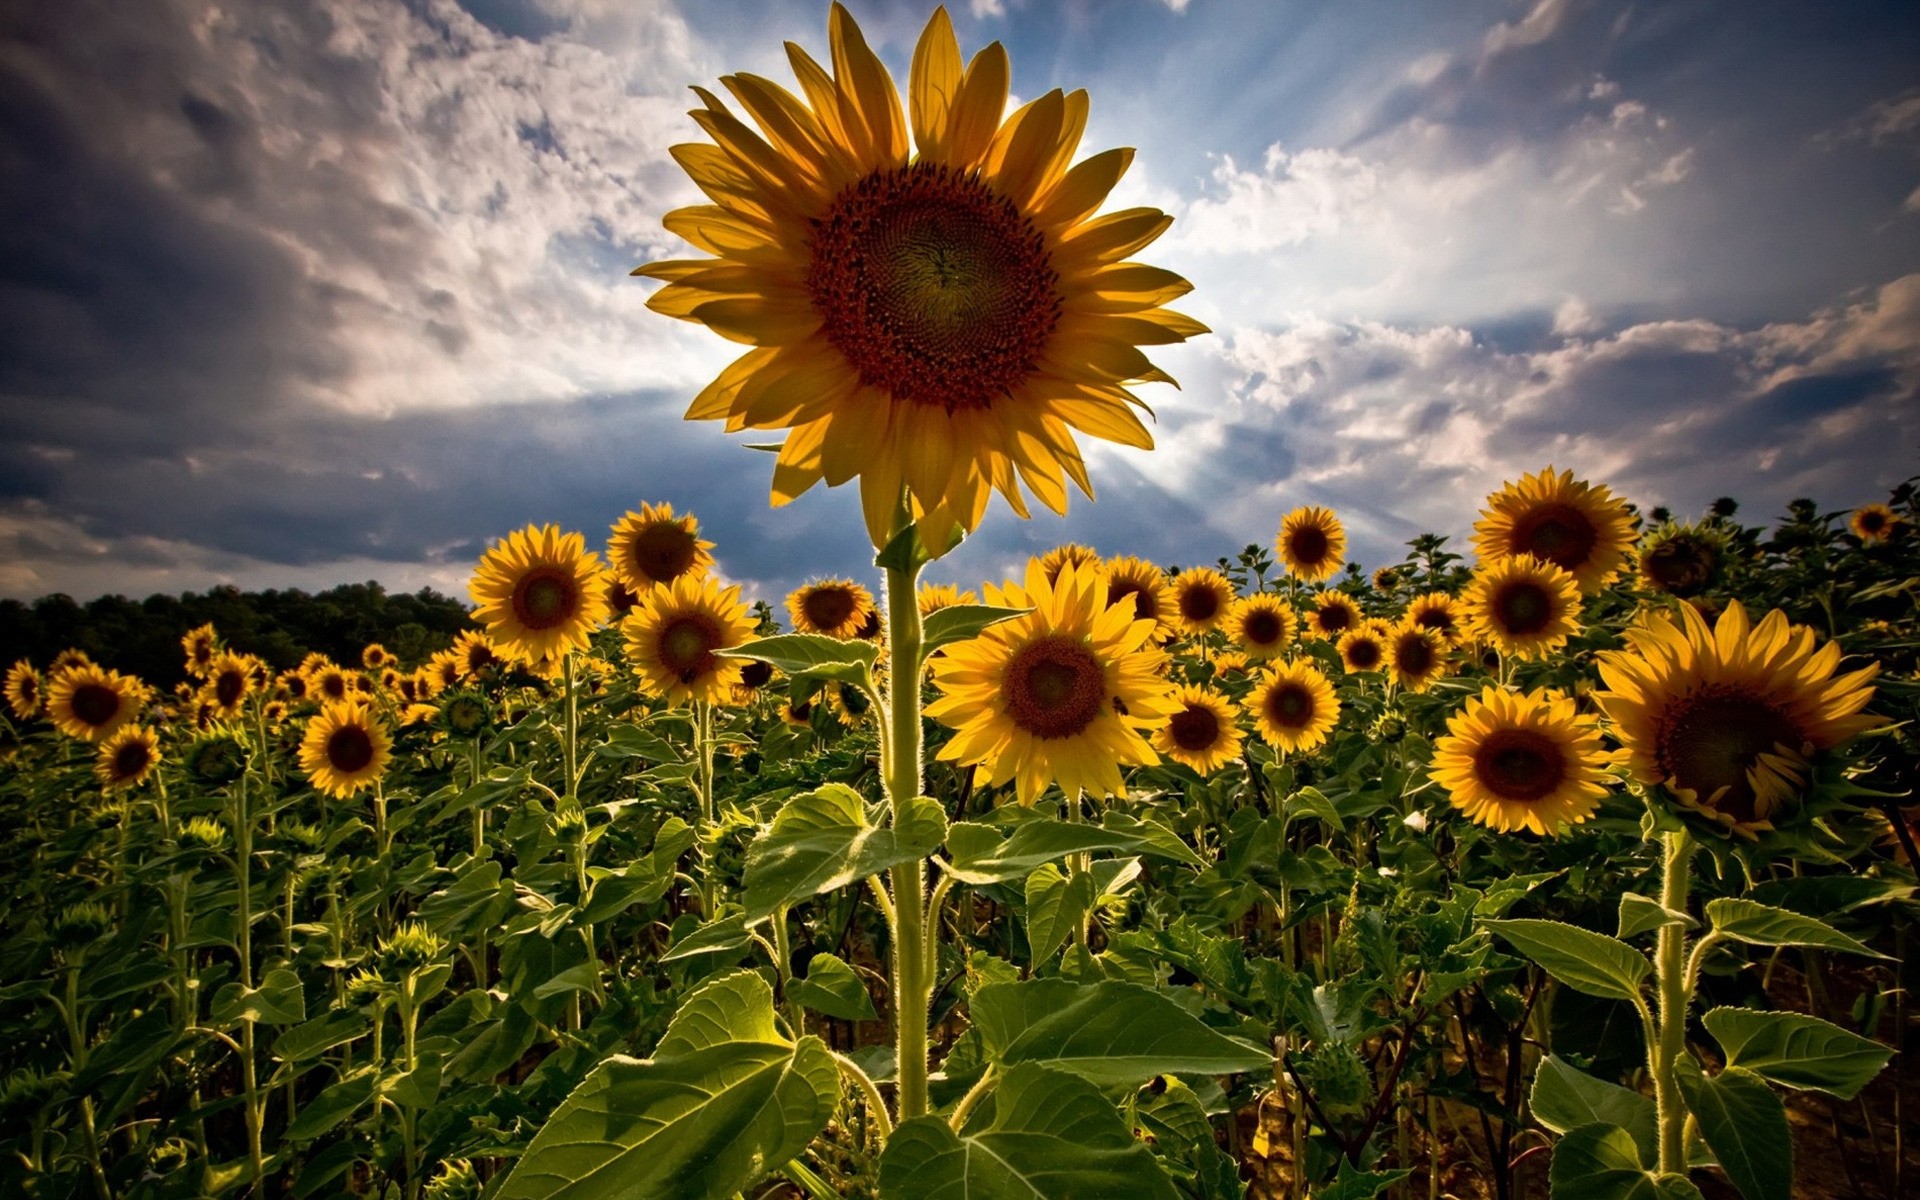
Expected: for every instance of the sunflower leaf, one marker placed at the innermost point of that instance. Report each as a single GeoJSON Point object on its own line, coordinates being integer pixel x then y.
{"type": "Point", "coordinates": [980, 854]}
{"type": "Point", "coordinates": [828, 838]}
{"type": "Point", "coordinates": [958, 622]}
{"type": "Point", "coordinates": [802, 654]}
{"type": "Point", "coordinates": [1601, 1162]}
{"type": "Point", "coordinates": [1641, 914]}
{"type": "Point", "coordinates": [1797, 1051]}
{"type": "Point", "coordinates": [1765, 925]}
{"type": "Point", "coordinates": [1745, 1126]}
{"type": "Point", "coordinates": [1580, 958]}
{"type": "Point", "coordinates": [1564, 1099]}
{"type": "Point", "coordinates": [1112, 1034]}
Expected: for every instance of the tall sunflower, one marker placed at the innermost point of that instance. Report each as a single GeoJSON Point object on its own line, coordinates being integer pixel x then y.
{"type": "Point", "coordinates": [1062, 694]}
{"type": "Point", "coordinates": [1513, 762]}
{"type": "Point", "coordinates": [1312, 543]}
{"type": "Point", "coordinates": [1202, 732]}
{"type": "Point", "coordinates": [672, 634]}
{"type": "Point", "coordinates": [1526, 606]}
{"type": "Point", "coordinates": [1293, 706]}
{"type": "Point", "coordinates": [1873, 523]}
{"type": "Point", "coordinates": [540, 593]}
{"type": "Point", "coordinates": [26, 691]}
{"type": "Point", "coordinates": [1263, 625]}
{"type": "Point", "coordinates": [89, 702]}
{"type": "Point", "coordinates": [1416, 656]}
{"type": "Point", "coordinates": [654, 546]}
{"type": "Point", "coordinates": [200, 646]}
{"type": "Point", "coordinates": [127, 756]}
{"type": "Point", "coordinates": [1201, 598]}
{"type": "Point", "coordinates": [942, 319]}
{"type": "Point", "coordinates": [1363, 648]}
{"type": "Point", "coordinates": [345, 749]}
{"type": "Point", "coordinates": [1439, 612]}
{"type": "Point", "coordinates": [1728, 717]}
{"type": "Point", "coordinates": [836, 608]}
{"type": "Point", "coordinates": [1581, 528]}
{"type": "Point", "coordinates": [230, 680]}
{"type": "Point", "coordinates": [1136, 579]}
{"type": "Point", "coordinates": [1334, 613]}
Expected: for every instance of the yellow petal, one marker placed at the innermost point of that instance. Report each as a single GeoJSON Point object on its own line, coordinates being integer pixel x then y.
{"type": "Point", "coordinates": [976, 114]}
{"type": "Point", "coordinates": [867, 93]}
{"type": "Point", "coordinates": [934, 83]}
{"type": "Point", "coordinates": [1082, 190]}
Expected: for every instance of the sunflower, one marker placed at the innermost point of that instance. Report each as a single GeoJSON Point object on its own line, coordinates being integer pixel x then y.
{"type": "Point", "coordinates": [932, 597]}
{"type": "Point", "coordinates": [1682, 560]}
{"type": "Point", "coordinates": [1386, 579]}
{"type": "Point", "coordinates": [1293, 706]}
{"type": "Point", "coordinates": [89, 702]}
{"type": "Point", "coordinates": [1334, 613]}
{"type": "Point", "coordinates": [848, 704]}
{"type": "Point", "coordinates": [797, 715]}
{"type": "Point", "coordinates": [654, 546]}
{"type": "Point", "coordinates": [1728, 717]}
{"type": "Point", "coordinates": [1201, 598]}
{"type": "Point", "coordinates": [1145, 584]}
{"type": "Point", "coordinates": [1229, 662]}
{"type": "Point", "coordinates": [445, 670]}
{"type": "Point", "coordinates": [837, 608]}
{"type": "Point", "coordinates": [230, 680]}
{"type": "Point", "coordinates": [943, 320]}
{"type": "Point", "coordinates": [345, 749]}
{"type": "Point", "coordinates": [200, 645]}
{"type": "Point", "coordinates": [127, 756]}
{"type": "Point", "coordinates": [1416, 656]}
{"type": "Point", "coordinates": [1312, 543]}
{"type": "Point", "coordinates": [1873, 523]}
{"type": "Point", "coordinates": [477, 654]}
{"type": "Point", "coordinates": [673, 632]}
{"type": "Point", "coordinates": [1525, 606]}
{"type": "Point", "coordinates": [26, 691]}
{"type": "Point", "coordinates": [1579, 527]}
{"type": "Point", "coordinates": [1511, 761]}
{"type": "Point", "coordinates": [1439, 612]}
{"type": "Point", "coordinates": [1062, 694]}
{"type": "Point", "coordinates": [375, 657]}
{"type": "Point", "coordinates": [1202, 732]}
{"type": "Point", "coordinates": [68, 659]}
{"type": "Point", "coordinates": [540, 593]}
{"type": "Point", "coordinates": [754, 678]}
{"type": "Point", "coordinates": [1363, 649]}
{"type": "Point", "coordinates": [330, 684]}
{"type": "Point", "coordinates": [1263, 625]}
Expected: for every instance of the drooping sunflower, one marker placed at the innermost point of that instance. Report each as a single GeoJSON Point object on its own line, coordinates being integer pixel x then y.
{"type": "Point", "coordinates": [1334, 613]}
{"type": "Point", "coordinates": [345, 749]}
{"type": "Point", "coordinates": [1582, 528]}
{"type": "Point", "coordinates": [1416, 656]}
{"type": "Point", "coordinates": [943, 319]}
{"type": "Point", "coordinates": [200, 646]}
{"type": "Point", "coordinates": [1293, 706]}
{"type": "Point", "coordinates": [1439, 612]}
{"type": "Point", "coordinates": [26, 691]}
{"type": "Point", "coordinates": [89, 702]}
{"type": "Point", "coordinates": [1526, 607]}
{"type": "Point", "coordinates": [754, 678]}
{"type": "Point", "coordinates": [836, 608]}
{"type": "Point", "coordinates": [1070, 553]}
{"type": "Point", "coordinates": [1312, 543]}
{"type": "Point", "coordinates": [540, 593]}
{"type": "Point", "coordinates": [1728, 717]}
{"type": "Point", "coordinates": [127, 757]}
{"type": "Point", "coordinates": [797, 716]}
{"type": "Point", "coordinates": [1363, 649]}
{"type": "Point", "coordinates": [1873, 523]}
{"type": "Point", "coordinates": [1136, 579]}
{"type": "Point", "coordinates": [1683, 560]}
{"type": "Point", "coordinates": [655, 546]}
{"type": "Point", "coordinates": [1202, 732]}
{"type": "Point", "coordinates": [1062, 694]}
{"type": "Point", "coordinates": [932, 597]}
{"type": "Point", "coordinates": [1512, 762]}
{"type": "Point", "coordinates": [1263, 625]}
{"type": "Point", "coordinates": [1201, 598]}
{"type": "Point", "coordinates": [230, 680]}
{"type": "Point", "coordinates": [848, 704]}
{"type": "Point", "coordinates": [671, 636]}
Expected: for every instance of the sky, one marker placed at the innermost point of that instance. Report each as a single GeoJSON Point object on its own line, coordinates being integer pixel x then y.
{"type": "Point", "coordinates": [303, 292]}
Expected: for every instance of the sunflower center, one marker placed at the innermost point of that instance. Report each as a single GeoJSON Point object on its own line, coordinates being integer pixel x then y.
{"type": "Point", "coordinates": [1873, 522]}
{"type": "Point", "coordinates": [95, 704]}
{"type": "Point", "coordinates": [663, 551]}
{"type": "Point", "coordinates": [1054, 687]}
{"type": "Point", "coordinates": [229, 688]}
{"type": "Point", "coordinates": [545, 598]}
{"type": "Point", "coordinates": [1195, 728]}
{"type": "Point", "coordinates": [349, 749]}
{"type": "Point", "coordinates": [756, 674]}
{"type": "Point", "coordinates": [334, 686]}
{"type": "Point", "coordinates": [1199, 604]}
{"type": "Point", "coordinates": [1523, 607]}
{"type": "Point", "coordinates": [1308, 545]}
{"type": "Point", "coordinates": [130, 760]}
{"type": "Point", "coordinates": [1711, 738]}
{"type": "Point", "coordinates": [935, 288]}
{"type": "Point", "coordinates": [1679, 565]}
{"type": "Point", "coordinates": [1522, 765]}
{"type": "Point", "coordinates": [686, 647]}
{"type": "Point", "coordinates": [1335, 618]}
{"type": "Point", "coordinates": [1415, 657]}
{"type": "Point", "coordinates": [828, 607]}
{"type": "Point", "coordinates": [1558, 533]}
{"type": "Point", "coordinates": [1437, 619]}
{"type": "Point", "coordinates": [1364, 655]}
{"type": "Point", "coordinates": [1289, 706]}
{"type": "Point", "coordinates": [1262, 627]}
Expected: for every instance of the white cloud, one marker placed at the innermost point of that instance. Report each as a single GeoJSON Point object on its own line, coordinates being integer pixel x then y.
{"type": "Point", "coordinates": [1542, 21]}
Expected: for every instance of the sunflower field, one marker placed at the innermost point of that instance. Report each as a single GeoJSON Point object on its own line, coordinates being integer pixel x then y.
{"type": "Point", "coordinates": [1572, 860]}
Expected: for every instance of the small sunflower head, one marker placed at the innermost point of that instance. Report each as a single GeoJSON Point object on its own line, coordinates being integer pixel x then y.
{"type": "Point", "coordinates": [409, 948]}
{"type": "Point", "coordinates": [80, 925]}
{"type": "Point", "coordinates": [216, 758]}
{"type": "Point", "coordinates": [205, 835]}
{"type": "Point", "coordinates": [454, 1180]}
{"type": "Point", "coordinates": [465, 713]}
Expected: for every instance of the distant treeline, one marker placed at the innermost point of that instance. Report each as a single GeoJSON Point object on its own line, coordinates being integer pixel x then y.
{"type": "Point", "coordinates": [142, 637]}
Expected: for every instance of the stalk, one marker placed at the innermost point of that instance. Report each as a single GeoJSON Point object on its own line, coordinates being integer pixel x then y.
{"type": "Point", "coordinates": [243, 870]}
{"type": "Point", "coordinates": [906, 748]}
{"type": "Point", "coordinates": [1672, 982]}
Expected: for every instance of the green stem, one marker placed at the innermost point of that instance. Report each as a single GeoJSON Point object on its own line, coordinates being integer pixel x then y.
{"type": "Point", "coordinates": [911, 979]}
{"type": "Point", "coordinates": [243, 870]}
{"type": "Point", "coordinates": [572, 739]}
{"type": "Point", "coordinates": [1675, 995]}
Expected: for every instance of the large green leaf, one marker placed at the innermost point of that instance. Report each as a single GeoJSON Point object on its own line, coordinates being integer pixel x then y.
{"type": "Point", "coordinates": [811, 654]}
{"type": "Point", "coordinates": [1112, 1033]}
{"type": "Point", "coordinates": [1765, 925]}
{"type": "Point", "coordinates": [1057, 904]}
{"type": "Point", "coordinates": [1564, 1099]}
{"type": "Point", "coordinates": [833, 988]}
{"type": "Point", "coordinates": [724, 1100]}
{"type": "Point", "coordinates": [1583, 960]}
{"type": "Point", "coordinates": [1642, 914]}
{"type": "Point", "coordinates": [980, 854]}
{"type": "Point", "coordinates": [1600, 1162]}
{"type": "Point", "coordinates": [279, 1000]}
{"type": "Point", "coordinates": [1796, 1050]}
{"type": "Point", "coordinates": [958, 622]}
{"type": "Point", "coordinates": [1051, 1135]}
{"type": "Point", "coordinates": [828, 838]}
{"type": "Point", "coordinates": [1745, 1126]}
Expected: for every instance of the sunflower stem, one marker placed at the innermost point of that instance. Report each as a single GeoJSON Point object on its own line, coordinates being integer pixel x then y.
{"type": "Point", "coordinates": [906, 748]}
{"type": "Point", "coordinates": [1675, 995]}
